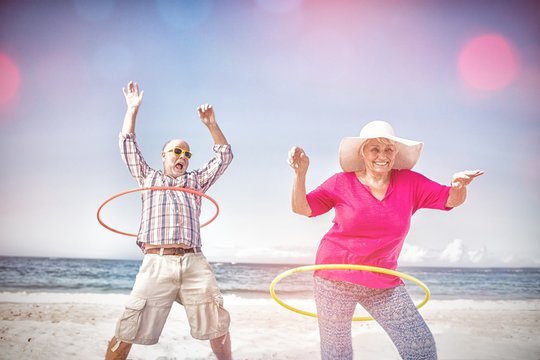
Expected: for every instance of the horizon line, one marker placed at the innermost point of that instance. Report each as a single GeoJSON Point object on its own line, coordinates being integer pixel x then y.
{"type": "Point", "coordinates": [295, 264]}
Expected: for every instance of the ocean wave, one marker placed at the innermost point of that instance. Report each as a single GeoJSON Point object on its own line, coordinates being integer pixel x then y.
{"type": "Point", "coordinates": [76, 276]}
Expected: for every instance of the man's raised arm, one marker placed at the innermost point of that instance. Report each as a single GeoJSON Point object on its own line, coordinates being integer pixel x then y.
{"type": "Point", "coordinates": [133, 101]}
{"type": "Point", "coordinates": [207, 116]}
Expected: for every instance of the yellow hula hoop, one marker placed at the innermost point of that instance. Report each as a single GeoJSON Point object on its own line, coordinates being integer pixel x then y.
{"type": "Point", "coordinates": [343, 267]}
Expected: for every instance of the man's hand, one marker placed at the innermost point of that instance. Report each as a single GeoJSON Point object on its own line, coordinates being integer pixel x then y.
{"type": "Point", "coordinates": [133, 96]}
{"type": "Point", "coordinates": [208, 118]}
{"type": "Point", "coordinates": [133, 101]}
{"type": "Point", "coordinates": [206, 114]}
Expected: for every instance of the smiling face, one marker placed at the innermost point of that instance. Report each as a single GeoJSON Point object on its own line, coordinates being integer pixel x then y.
{"type": "Point", "coordinates": [379, 155]}
{"type": "Point", "coordinates": [175, 165]}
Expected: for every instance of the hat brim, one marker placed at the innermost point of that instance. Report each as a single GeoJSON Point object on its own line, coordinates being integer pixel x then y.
{"type": "Point", "coordinates": [350, 159]}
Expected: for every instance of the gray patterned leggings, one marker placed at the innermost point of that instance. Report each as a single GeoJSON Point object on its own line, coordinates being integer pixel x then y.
{"type": "Point", "coordinates": [392, 308]}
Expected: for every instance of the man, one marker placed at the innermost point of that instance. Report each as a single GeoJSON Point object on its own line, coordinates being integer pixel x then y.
{"type": "Point", "coordinates": [173, 268]}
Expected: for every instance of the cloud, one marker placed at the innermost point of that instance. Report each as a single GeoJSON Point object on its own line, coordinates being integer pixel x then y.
{"type": "Point", "coordinates": [413, 254]}
{"type": "Point", "coordinates": [457, 252]}
{"type": "Point", "coordinates": [508, 259]}
{"type": "Point", "coordinates": [270, 254]}
{"type": "Point", "coordinates": [520, 259]}
{"type": "Point", "coordinates": [453, 252]}
{"type": "Point", "coordinates": [476, 256]}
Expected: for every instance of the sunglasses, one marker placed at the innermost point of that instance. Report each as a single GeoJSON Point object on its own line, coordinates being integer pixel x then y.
{"type": "Point", "coordinates": [178, 151]}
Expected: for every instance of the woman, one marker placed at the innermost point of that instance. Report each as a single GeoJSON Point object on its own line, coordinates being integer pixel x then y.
{"type": "Point", "coordinates": [373, 198]}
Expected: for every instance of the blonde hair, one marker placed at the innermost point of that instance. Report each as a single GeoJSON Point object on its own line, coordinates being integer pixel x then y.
{"type": "Point", "coordinates": [382, 140]}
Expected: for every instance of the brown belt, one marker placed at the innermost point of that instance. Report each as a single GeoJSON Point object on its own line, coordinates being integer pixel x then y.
{"type": "Point", "coordinates": [172, 251]}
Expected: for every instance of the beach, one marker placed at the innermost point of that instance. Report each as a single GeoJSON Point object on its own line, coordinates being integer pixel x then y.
{"type": "Point", "coordinates": [78, 326]}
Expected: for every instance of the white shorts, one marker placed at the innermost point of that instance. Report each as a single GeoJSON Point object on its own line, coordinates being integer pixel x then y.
{"type": "Point", "coordinates": [162, 279]}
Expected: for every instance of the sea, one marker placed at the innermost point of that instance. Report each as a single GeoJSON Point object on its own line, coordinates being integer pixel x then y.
{"type": "Point", "coordinates": [100, 276]}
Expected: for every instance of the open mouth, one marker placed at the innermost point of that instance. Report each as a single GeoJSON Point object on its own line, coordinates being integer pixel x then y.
{"type": "Point", "coordinates": [179, 166]}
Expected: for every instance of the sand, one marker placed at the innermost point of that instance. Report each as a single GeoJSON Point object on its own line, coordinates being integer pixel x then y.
{"type": "Point", "coordinates": [78, 326]}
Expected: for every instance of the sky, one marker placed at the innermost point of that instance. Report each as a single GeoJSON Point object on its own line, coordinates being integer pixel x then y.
{"type": "Point", "coordinates": [461, 76]}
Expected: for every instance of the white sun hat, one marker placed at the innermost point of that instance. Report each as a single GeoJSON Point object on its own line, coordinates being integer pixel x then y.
{"type": "Point", "coordinates": [349, 149]}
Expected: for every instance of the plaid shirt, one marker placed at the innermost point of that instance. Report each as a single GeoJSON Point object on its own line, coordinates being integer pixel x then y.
{"type": "Point", "coordinates": [168, 216]}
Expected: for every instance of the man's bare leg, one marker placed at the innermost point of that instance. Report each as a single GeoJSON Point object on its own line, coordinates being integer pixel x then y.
{"type": "Point", "coordinates": [221, 346]}
{"type": "Point", "coordinates": [120, 352]}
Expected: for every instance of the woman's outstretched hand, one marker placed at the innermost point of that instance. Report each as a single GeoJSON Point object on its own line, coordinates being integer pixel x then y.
{"type": "Point", "coordinates": [464, 178]}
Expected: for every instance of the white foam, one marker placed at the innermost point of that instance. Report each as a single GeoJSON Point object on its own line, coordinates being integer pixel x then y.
{"type": "Point", "coordinates": [62, 298]}
{"type": "Point", "coordinates": [233, 299]}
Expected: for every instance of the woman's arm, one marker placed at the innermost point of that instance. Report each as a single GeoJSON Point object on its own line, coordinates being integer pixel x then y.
{"type": "Point", "coordinates": [299, 161]}
{"type": "Point", "coordinates": [458, 191]}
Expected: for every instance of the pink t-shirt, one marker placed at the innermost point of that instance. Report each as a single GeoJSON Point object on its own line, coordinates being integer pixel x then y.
{"type": "Point", "coordinates": [367, 231]}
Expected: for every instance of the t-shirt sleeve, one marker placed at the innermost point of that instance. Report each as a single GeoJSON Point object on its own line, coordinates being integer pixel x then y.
{"type": "Point", "coordinates": [321, 200]}
{"type": "Point", "coordinates": [429, 194]}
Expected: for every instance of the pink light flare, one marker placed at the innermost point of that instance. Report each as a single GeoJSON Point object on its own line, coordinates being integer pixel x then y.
{"type": "Point", "coordinates": [488, 62]}
{"type": "Point", "coordinates": [10, 79]}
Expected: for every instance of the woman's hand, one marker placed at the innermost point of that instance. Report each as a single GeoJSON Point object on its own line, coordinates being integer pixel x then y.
{"type": "Point", "coordinates": [458, 191]}
{"type": "Point", "coordinates": [133, 96]}
{"type": "Point", "coordinates": [298, 160]}
{"type": "Point", "coordinates": [464, 178]}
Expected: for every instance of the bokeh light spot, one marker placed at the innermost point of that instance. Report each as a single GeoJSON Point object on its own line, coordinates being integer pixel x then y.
{"type": "Point", "coordinates": [184, 14]}
{"type": "Point", "coordinates": [94, 11]}
{"type": "Point", "coordinates": [279, 6]}
{"type": "Point", "coordinates": [113, 62]}
{"type": "Point", "coordinates": [10, 79]}
{"type": "Point", "coordinates": [325, 57]}
{"type": "Point", "coordinates": [488, 63]}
